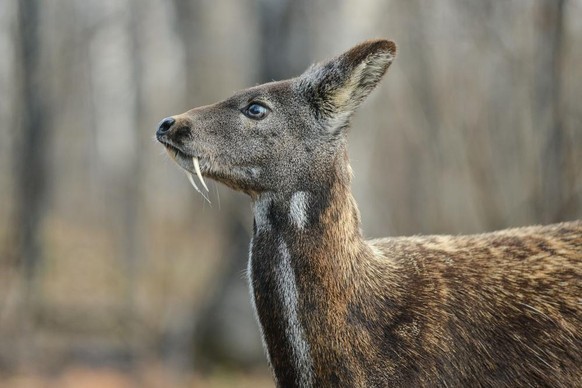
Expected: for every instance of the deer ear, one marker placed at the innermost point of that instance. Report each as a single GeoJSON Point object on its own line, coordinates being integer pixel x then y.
{"type": "Point", "coordinates": [336, 88]}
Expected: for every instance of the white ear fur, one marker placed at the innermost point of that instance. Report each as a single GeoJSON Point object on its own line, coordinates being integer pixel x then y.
{"type": "Point", "coordinates": [362, 80]}
{"type": "Point", "coordinates": [336, 88]}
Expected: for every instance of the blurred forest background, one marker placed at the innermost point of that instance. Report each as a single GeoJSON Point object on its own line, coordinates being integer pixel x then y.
{"type": "Point", "coordinates": [115, 273]}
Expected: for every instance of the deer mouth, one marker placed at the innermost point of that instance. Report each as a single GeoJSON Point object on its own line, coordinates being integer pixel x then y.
{"type": "Point", "coordinates": [190, 164]}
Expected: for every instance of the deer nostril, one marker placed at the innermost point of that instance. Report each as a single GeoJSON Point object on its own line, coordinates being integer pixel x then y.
{"type": "Point", "coordinates": [165, 125]}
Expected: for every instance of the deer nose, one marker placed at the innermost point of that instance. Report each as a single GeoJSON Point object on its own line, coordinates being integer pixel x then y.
{"type": "Point", "coordinates": [165, 126]}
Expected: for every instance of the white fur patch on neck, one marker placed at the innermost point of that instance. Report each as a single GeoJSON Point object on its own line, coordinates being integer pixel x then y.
{"type": "Point", "coordinates": [294, 331]}
{"type": "Point", "coordinates": [298, 209]}
{"type": "Point", "coordinates": [261, 210]}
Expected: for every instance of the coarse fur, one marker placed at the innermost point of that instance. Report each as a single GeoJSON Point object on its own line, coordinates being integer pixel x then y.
{"type": "Point", "coordinates": [500, 309]}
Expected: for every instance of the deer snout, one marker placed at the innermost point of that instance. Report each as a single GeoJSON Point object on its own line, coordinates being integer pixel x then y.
{"type": "Point", "coordinates": [165, 126]}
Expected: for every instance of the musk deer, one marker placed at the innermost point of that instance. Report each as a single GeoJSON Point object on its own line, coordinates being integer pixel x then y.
{"type": "Point", "coordinates": [496, 309]}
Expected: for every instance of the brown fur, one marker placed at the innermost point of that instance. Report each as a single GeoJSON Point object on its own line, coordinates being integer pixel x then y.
{"type": "Point", "coordinates": [501, 309]}
{"type": "Point", "coordinates": [495, 309]}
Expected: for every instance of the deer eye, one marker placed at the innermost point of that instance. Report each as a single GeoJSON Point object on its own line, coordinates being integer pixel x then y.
{"type": "Point", "coordinates": [256, 111]}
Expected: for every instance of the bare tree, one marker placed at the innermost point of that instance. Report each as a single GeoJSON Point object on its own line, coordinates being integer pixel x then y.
{"type": "Point", "coordinates": [283, 38]}
{"type": "Point", "coordinates": [30, 161]}
{"type": "Point", "coordinates": [31, 157]}
{"type": "Point", "coordinates": [547, 107]}
{"type": "Point", "coordinates": [133, 255]}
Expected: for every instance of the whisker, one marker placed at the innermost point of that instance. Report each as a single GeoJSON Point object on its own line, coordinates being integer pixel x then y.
{"type": "Point", "coordinates": [217, 195]}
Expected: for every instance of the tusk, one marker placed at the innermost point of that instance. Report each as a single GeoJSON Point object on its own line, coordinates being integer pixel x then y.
{"type": "Point", "coordinates": [191, 179]}
{"type": "Point", "coordinates": [198, 173]}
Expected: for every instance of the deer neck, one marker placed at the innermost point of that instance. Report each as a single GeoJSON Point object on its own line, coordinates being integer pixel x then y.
{"type": "Point", "coordinates": [313, 220]}
{"type": "Point", "coordinates": [304, 251]}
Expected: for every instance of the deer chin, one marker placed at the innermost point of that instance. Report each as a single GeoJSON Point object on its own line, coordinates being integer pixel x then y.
{"type": "Point", "coordinates": [238, 178]}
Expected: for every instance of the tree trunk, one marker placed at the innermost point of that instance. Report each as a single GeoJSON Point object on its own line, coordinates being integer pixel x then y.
{"type": "Point", "coordinates": [30, 163]}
